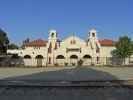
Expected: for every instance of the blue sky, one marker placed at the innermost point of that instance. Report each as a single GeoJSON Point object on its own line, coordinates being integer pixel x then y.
{"type": "Point", "coordinates": [34, 18]}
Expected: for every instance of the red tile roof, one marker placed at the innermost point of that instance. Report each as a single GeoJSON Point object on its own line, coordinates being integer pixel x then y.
{"type": "Point", "coordinates": [38, 42]}
{"type": "Point", "coordinates": [107, 42]}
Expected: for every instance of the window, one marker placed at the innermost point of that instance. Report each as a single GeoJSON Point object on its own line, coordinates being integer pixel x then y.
{"type": "Point", "coordinates": [60, 57]}
{"type": "Point", "coordinates": [27, 57]}
{"type": "Point", "coordinates": [72, 42]}
{"type": "Point", "coordinates": [39, 57]}
{"type": "Point", "coordinates": [93, 34]}
{"type": "Point", "coordinates": [87, 57]}
{"type": "Point", "coordinates": [52, 34]}
{"type": "Point", "coordinates": [36, 47]}
{"type": "Point", "coordinates": [73, 57]}
{"type": "Point", "coordinates": [73, 50]}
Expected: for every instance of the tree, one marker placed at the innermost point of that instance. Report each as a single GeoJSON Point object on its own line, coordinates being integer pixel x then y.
{"type": "Point", "coordinates": [4, 41]}
{"type": "Point", "coordinates": [124, 48]}
{"type": "Point", "coordinates": [26, 41]}
{"type": "Point", "coordinates": [12, 46]}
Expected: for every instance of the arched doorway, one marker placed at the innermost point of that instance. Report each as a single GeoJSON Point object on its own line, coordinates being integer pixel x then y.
{"type": "Point", "coordinates": [27, 60]}
{"type": "Point", "coordinates": [27, 57]}
{"type": "Point", "coordinates": [73, 57]}
{"type": "Point", "coordinates": [73, 60]}
{"type": "Point", "coordinates": [60, 59]}
{"type": "Point", "coordinates": [87, 59]}
{"type": "Point", "coordinates": [39, 59]}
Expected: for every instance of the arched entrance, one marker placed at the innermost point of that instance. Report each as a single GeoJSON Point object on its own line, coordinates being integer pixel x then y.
{"type": "Point", "coordinates": [39, 59]}
{"type": "Point", "coordinates": [60, 59]}
{"type": "Point", "coordinates": [27, 60]}
{"type": "Point", "coordinates": [87, 59]}
{"type": "Point", "coordinates": [73, 60]}
{"type": "Point", "coordinates": [73, 57]}
{"type": "Point", "coordinates": [27, 57]}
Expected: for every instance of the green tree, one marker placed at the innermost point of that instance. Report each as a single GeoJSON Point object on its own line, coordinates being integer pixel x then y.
{"type": "Point", "coordinates": [4, 41]}
{"type": "Point", "coordinates": [124, 48]}
{"type": "Point", "coordinates": [12, 46]}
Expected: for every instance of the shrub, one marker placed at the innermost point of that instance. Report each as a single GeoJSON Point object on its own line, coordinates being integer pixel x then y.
{"type": "Point", "coordinates": [56, 64]}
{"type": "Point", "coordinates": [66, 64]}
{"type": "Point", "coordinates": [73, 64]}
{"type": "Point", "coordinates": [80, 62]}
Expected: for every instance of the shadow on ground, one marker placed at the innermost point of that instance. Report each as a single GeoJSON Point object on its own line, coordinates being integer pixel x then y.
{"type": "Point", "coordinates": [74, 74]}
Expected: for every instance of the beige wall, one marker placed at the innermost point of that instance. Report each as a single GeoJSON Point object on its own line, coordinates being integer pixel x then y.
{"type": "Point", "coordinates": [87, 48]}
{"type": "Point", "coordinates": [105, 51]}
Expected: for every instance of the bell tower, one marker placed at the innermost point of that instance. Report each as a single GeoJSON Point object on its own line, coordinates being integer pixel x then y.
{"type": "Point", "coordinates": [52, 45]}
{"type": "Point", "coordinates": [52, 35]}
{"type": "Point", "coordinates": [95, 45]}
{"type": "Point", "coordinates": [93, 34]}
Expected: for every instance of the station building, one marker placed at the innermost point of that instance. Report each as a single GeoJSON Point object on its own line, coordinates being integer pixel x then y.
{"type": "Point", "coordinates": [68, 51]}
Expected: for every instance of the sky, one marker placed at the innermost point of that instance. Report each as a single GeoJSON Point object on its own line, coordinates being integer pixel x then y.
{"type": "Point", "coordinates": [33, 19]}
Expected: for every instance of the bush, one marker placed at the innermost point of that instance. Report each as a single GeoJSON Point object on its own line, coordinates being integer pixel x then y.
{"type": "Point", "coordinates": [73, 64]}
{"type": "Point", "coordinates": [56, 64]}
{"type": "Point", "coordinates": [66, 64]}
{"type": "Point", "coordinates": [80, 62]}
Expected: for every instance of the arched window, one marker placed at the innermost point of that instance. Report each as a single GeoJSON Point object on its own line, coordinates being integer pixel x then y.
{"type": "Point", "coordinates": [52, 35]}
{"type": "Point", "coordinates": [60, 57]}
{"type": "Point", "coordinates": [73, 57]}
{"type": "Point", "coordinates": [86, 56]}
{"type": "Point", "coordinates": [27, 57]}
{"type": "Point", "coordinates": [39, 57]}
{"type": "Point", "coordinates": [93, 34]}
{"type": "Point", "coordinates": [73, 42]}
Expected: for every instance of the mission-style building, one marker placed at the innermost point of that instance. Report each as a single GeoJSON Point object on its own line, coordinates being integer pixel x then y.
{"type": "Point", "coordinates": [67, 51]}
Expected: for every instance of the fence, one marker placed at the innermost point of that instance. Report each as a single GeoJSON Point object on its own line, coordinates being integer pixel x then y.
{"type": "Point", "coordinates": [63, 62]}
{"type": "Point", "coordinates": [113, 61]}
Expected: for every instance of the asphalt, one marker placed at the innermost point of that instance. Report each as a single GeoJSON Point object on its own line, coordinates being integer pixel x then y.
{"type": "Point", "coordinates": [67, 76]}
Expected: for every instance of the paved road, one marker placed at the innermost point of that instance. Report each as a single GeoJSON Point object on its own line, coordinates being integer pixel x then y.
{"type": "Point", "coordinates": [47, 93]}
{"type": "Point", "coordinates": [67, 73]}
{"type": "Point", "coordinates": [66, 93]}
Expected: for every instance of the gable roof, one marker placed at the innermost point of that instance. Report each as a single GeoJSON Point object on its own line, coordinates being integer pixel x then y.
{"type": "Point", "coordinates": [107, 42]}
{"type": "Point", "coordinates": [38, 42]}
{"type": "Point", "coordinates": [73, 37]}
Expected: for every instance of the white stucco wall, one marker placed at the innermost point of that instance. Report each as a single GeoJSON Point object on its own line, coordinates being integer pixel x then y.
{"type": "Point", "coordinates": [83, 48]}
{"type": "Point", "coordinates": [105, 51]}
